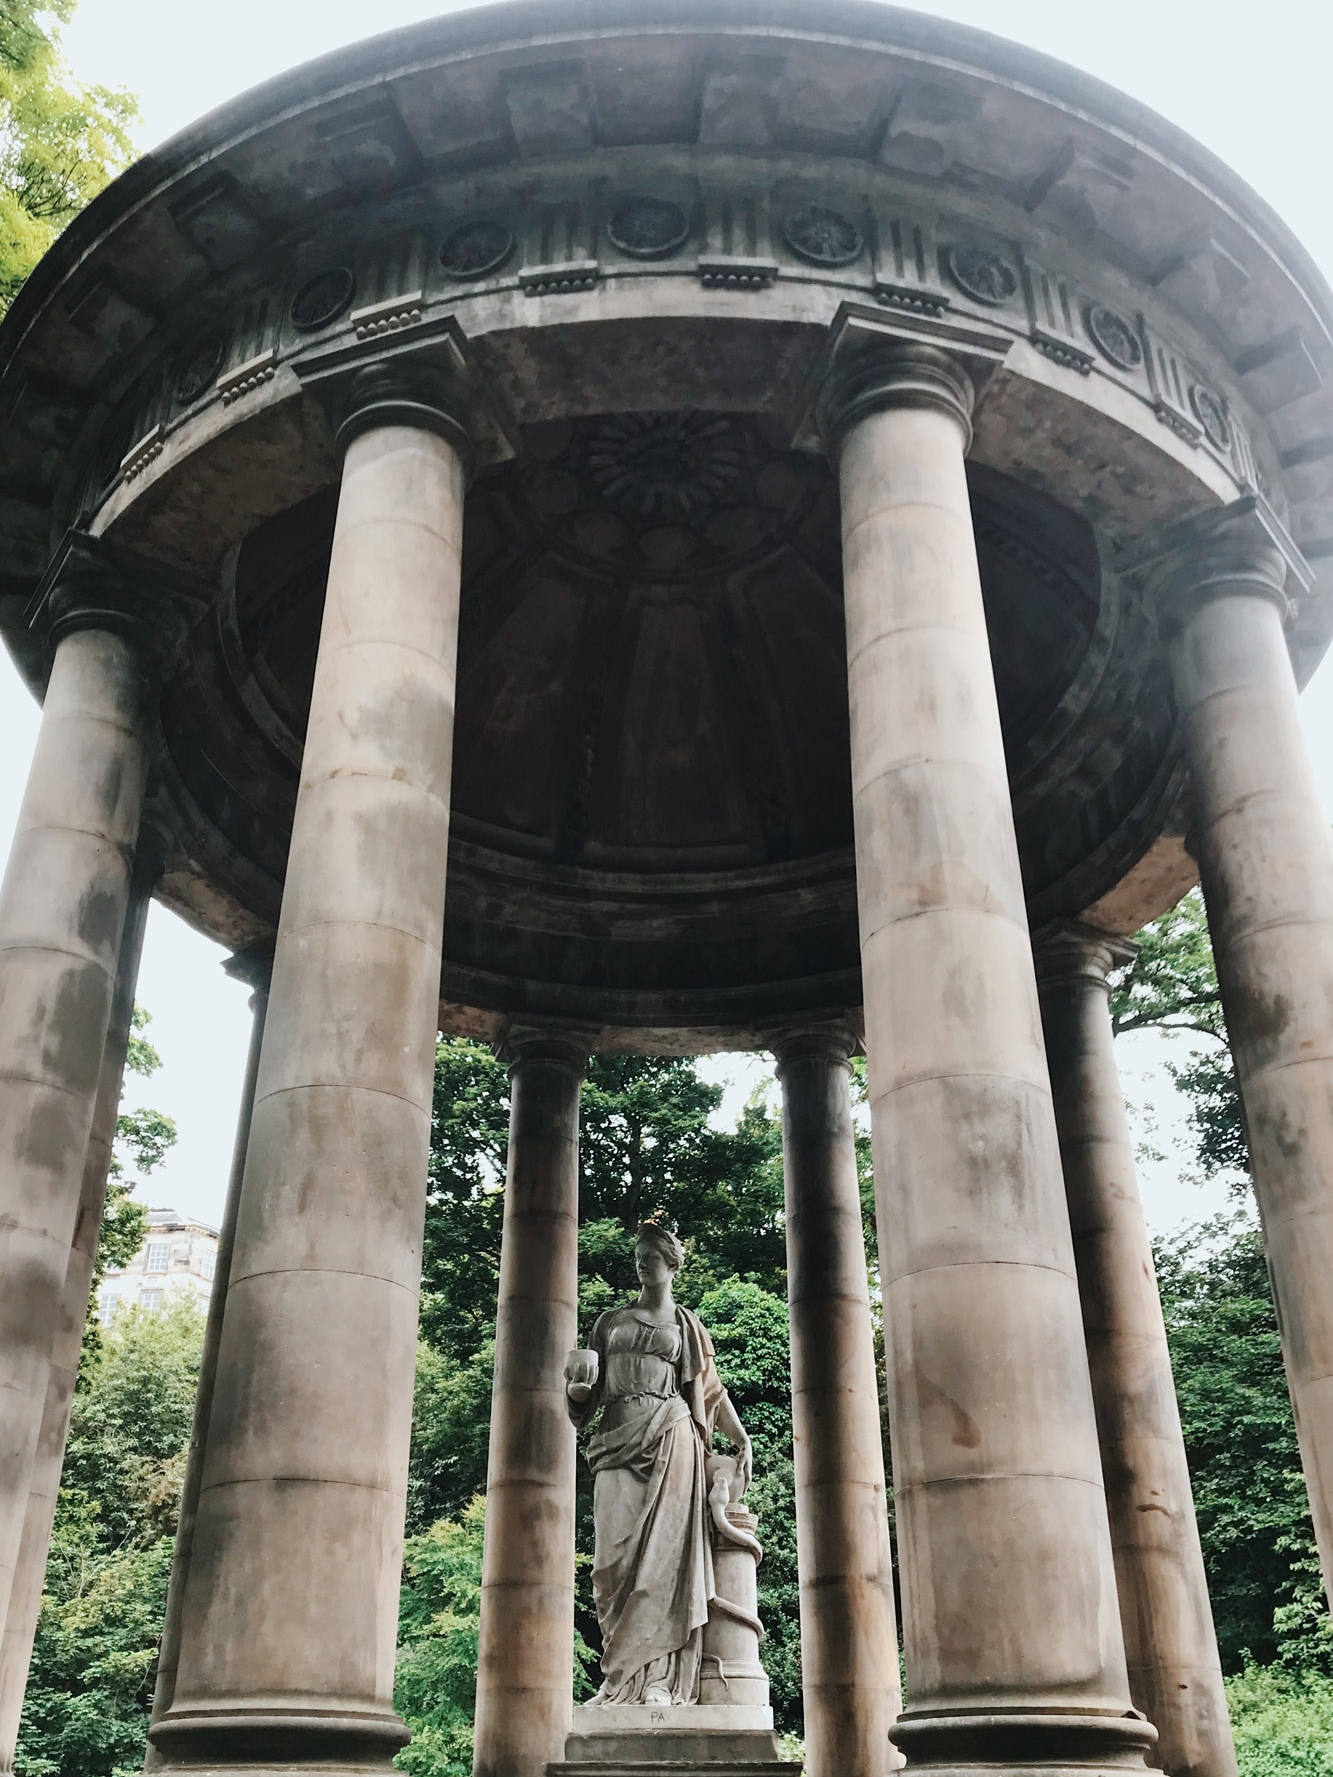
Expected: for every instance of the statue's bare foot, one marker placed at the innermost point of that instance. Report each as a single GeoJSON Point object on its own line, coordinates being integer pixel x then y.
{"type": "Point", "coordinates": [656, 1695]}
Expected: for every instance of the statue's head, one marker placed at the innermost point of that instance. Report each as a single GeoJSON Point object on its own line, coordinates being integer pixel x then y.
{"type": "Point", "coordinates": [655, 1245]}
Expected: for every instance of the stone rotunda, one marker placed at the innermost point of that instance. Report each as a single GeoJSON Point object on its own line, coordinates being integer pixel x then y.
{"type": "Point", "coordinates": [669, 527]}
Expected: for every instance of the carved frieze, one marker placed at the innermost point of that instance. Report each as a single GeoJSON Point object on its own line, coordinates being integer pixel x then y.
{"type": "Point", "coordinates": [199, 366]}
{"type": "Point", "coordinates": [648, 227]}
{"type": "Point", "coordinates": [1053, 315]}
{"type": "Point", "coordinates": [982, 273]}
{"type": "Point", "coordinates": [823, 236]}
{"type": "Point", "coordinates": [322, 299]}
{"type": "Point", "coordinates": [1115, 337]}
{"type": "Point", "coordinates": [556, 237]}
{"type": "Point", "coordinates": [477, 248]}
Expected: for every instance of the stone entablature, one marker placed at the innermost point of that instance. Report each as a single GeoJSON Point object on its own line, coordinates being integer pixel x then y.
{"type": "Point", "coordinates": [569, 216]}
{"type": "Point", "coordinates": [892, 158]}
{"type": "Point", "coordinates": [628, 216]}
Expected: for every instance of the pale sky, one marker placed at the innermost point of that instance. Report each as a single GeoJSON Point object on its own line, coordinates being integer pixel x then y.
{"type": "Point", "coordinates": [1250, 83]}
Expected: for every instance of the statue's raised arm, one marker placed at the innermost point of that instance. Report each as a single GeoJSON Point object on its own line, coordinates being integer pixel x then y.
{"type": "Point", "coordinates": [650, 1380]}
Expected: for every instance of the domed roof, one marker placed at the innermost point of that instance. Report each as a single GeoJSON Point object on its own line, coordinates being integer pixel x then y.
{"type": "Point", "coordinates": [639, 227]}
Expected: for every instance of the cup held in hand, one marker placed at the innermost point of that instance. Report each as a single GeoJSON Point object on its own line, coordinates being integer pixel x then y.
{"type": "Point", "coordinates": [582, 1367]}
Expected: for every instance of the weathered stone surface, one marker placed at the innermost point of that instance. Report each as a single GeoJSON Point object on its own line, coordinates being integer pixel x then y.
{"type": "Point", "coordinates": [62, 913]}
{"type": "Point", "coordinates": [304, 1472]}
{"type": "Point", "coordinates": [526, 1639]}
{"type": "Point", "coordinates": [849, 1639]}
{"type": "Point", "coordinates": [990, 1405]}
{"type": "Point", "coordinates": [256, 969]}
{"type": "Point", "coordinates": [20, 1621]}
{"type": "Point", "coordinates": [1175, 1676]}
{"type": "Point", "coordinates": [652, 690]}
{"type": "Point", "coordinates": [1266, 860]}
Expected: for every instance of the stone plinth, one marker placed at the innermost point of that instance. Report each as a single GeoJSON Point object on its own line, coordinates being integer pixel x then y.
{"type": "Point", "coordinates": [671, 1741]}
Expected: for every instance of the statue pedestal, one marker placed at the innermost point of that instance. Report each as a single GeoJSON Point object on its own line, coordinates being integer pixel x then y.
{"type": "Point", "coordinates": [614, 1740]}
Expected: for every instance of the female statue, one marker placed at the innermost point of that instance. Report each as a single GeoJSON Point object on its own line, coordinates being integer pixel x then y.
{"type": "Point", "coordinates": [650, 1370]}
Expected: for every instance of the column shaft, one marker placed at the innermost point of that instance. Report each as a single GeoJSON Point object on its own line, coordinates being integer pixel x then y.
{"type": "Point", "coordinates": [164, 1688]}
{"type": "Point", "coordinates": [1011, 1623]}
{"type": "Point", "coordinates": [62, 915]}
{"type": "Point", "coordinates": [525, 1665]}
{"type": "Point", "coordinates": [20, 1627]}
{"type": "Point", "coordinates": [1267, 868]}
{"type": "Point", "coordinates": [1175, 1675]}
{"type": "Point", "coordinates": [289, 1622]}
{"type": "Point", "coordinates": [849, 1638]}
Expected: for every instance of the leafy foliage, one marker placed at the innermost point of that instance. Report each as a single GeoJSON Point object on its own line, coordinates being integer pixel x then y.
{"type": "Point", "coordinates": [1171, 983]}
{"type": "Point", "coordinates": [1283, 1722]}
{"type": "Point", "coordinates": [435, 1685]}
{"type": "Point", "coordinates": [60, 141]}
{"type": "Point", "coordinates": [751, 1332]}
{"type": "Point", "coordinates": [1249, 1494]}
{"type": "Point", "coordinates": [131, 1422]}
{"type": "Point", "coordinates": [1172, 986]}
{"type": "Point", "coordinates": [90, 1689]}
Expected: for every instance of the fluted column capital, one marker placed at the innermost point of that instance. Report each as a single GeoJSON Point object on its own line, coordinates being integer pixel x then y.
{"type": "Point", "coordinates": [89, 586]}
{"type": "Point", "coordinates": [835, 1040]}
{"type": "Point", "coordinates": [403, 393]}
{"type": "Point", "coordinates": [253, 965]}
{"type": "Point", "coordinates": [875, 375]}
{"type": "Point", "coordinates": [552, 1045]}
{"type": "Point", "coordinates": [422, 375]}
{"type": "Point", "coordinates": [1068, 951]}
{"type": "Point", "coordinates": [1239, 549]}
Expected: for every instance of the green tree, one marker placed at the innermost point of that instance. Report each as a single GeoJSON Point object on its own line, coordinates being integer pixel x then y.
{"type": "Point", "coordinates": [751, 1332]}
{"type": "Point", "coordinates": [90, 1686]}
{"type": "Point", "coordinates": [1172, 986]}
{"type": "Point", "coordinates": [435, 1684]}
{"type": "Point", "coordinates": [1249, 1493]}
{"type": "Point", "coordinates": [1254, 1521]}
{"type": "Point", "coordinates": [60, 141]}
{"type": "Point", "coordinates": [89, 1689]}
{"type": "Point", "coordinates": [1283, 1722]}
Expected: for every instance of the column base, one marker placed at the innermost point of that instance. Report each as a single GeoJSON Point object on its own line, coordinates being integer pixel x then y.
{"type": "Point", "coordinates": [1025, 1744]}
{"type": "Point", "coordinates": [268, 1737]}
{"type": "Point", "coordinates": [677, 1740]}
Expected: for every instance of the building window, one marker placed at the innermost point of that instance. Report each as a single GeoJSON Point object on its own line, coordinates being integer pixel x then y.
{"type": "Point", "coordinates": [207, 1261]}
{"type": "Point", "coordinates": [150, 1298]}
{"type": "Point", "coordinates": [157, 1255]}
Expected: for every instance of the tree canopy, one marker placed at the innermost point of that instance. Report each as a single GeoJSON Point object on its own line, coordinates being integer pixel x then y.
{"type": "Point", "coordinates": [60, 140]}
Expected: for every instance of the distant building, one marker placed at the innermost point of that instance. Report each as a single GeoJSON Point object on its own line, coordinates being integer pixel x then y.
{"type": "Point", "coordinates": [177, 1258]}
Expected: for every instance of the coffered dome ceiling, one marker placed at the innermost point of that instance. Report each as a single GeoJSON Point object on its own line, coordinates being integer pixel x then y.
{"type": "Point", "coordinates": [651, 803]}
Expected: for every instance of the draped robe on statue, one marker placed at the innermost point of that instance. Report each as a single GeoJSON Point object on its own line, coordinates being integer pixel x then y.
{"type": "Point", "coordinates": [659, 1392]}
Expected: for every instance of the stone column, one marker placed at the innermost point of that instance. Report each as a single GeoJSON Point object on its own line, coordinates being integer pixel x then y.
{"type": "Point", "coordinates": [62, 915]}
{"type": "Point", "coordinates": [257, 971]}
{"type": "Point", "coordinates": [289, 1620]}
{"type": "Point", "coordinates": [1175, 1675]}
{"type": "Point", "coordinates": [1011, 1625]}
{"type": "Point", "coordinates": [849, 1638]}
{"type": "Point", "coordinates": [1262, 842]}
{"type": "Point", "coordinates": [20, 1627]}
{"type": "Point", "coordinates": [525, 1666]}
